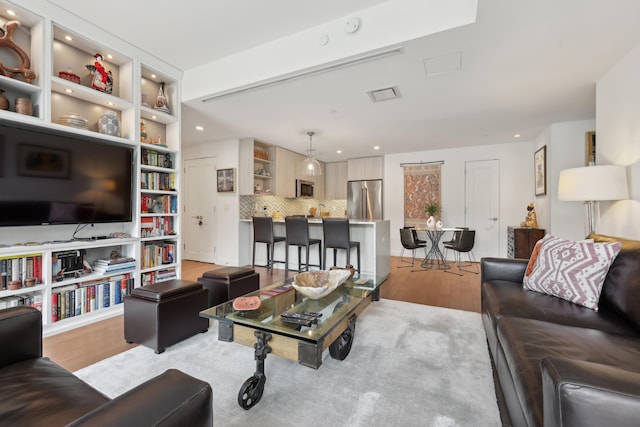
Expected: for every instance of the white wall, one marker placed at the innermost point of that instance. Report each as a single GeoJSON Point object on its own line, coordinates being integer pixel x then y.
{"type": "Point", "coordinates": [227, 205]}
{"type": "Point", "coordinates": [618, 141]}
{"type": "Point", "coordinates": [516, 185]}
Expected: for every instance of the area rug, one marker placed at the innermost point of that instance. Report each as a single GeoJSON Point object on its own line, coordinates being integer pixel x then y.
{"type": "Point", "coordinates": [410, 365]}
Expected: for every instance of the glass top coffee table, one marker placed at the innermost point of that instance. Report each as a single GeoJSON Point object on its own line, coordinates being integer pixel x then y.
{"type": "Point", "coordinates": [333, 320]}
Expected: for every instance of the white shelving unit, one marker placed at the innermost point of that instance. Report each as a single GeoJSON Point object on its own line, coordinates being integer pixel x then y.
{"type": "Point", "coordinates": [60, 41]}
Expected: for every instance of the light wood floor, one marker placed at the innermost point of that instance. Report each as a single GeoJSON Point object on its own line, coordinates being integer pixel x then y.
{"type": "Point", "coordinates": [89, 344]}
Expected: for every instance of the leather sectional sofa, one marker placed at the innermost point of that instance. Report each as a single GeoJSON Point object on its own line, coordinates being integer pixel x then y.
{"type": "Point", "coordinates": [36, 391]}
{"type": "Point", "coordinates": [557, 363]}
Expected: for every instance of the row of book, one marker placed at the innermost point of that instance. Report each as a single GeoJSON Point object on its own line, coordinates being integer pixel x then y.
{"type": "Point", "coordinates": [76, 300]}
{"type": "Point", "coordinates": [156, 226]}
{"type": "Point", "coordinates": [157, 181]}
{"type": "Point", "coordinates": [154, 158]}
{"type": "Point", "coordinates": [152, 277]}
{"type": "Point", "coordinates": [33, 300]}
{"type": "Point", "coordinates": [158, 253]}
{"type": "Point", "coordinates": [111, 265]}
{"type": "Point", "coordinates": [158, 204]}
{"type": "Point", "coordinates": [20, 268]}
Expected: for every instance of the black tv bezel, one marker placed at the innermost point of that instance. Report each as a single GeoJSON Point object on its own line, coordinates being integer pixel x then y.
{"type": "Point", "coordinates": [44, 130]}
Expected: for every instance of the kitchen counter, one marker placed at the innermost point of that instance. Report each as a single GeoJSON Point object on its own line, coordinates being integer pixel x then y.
{"type": "Point", "coordinates": [374, 238]}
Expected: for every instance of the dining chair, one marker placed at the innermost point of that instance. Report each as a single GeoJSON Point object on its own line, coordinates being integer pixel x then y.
{"type": "Point", "coordinates": [409, 243]}
{"type": "Point", "coordinates": [465, 246]}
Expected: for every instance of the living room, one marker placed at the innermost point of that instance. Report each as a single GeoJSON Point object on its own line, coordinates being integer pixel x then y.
{"type": "Point", "coordinates": [614, 113]}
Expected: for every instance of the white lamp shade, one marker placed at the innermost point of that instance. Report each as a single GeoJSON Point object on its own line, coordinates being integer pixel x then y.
{"type": "Point", "coordinates": [592, 183]}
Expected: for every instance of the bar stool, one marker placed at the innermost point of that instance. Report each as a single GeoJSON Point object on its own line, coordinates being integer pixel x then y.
{"type": "Point", "coordinates": [337, 236]}
{"type": "Point", "coordinates": [263, 233]}
{"type": "Point", "coordinates": [297, 229]}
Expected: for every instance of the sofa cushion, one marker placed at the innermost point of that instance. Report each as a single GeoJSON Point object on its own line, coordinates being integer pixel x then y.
{"type": "Point", "coordinates": [621, 289]}
{"type": "Point", "coordinates": [39, 392]}
{"type": "Point", "coordinates": [524, 343]}
{"type": "Point", "coordinates": [574, 271]}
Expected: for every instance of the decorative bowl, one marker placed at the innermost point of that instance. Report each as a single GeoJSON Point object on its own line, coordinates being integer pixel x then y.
{"type": "Point", "coordinates": [67, 75]}
{"type": "Point", "coordinates": [319, 284]}
{"type": "Point", "coordinates": [74, 120]}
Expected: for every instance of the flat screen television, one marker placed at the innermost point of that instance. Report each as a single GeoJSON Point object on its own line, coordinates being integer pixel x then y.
{"type": "Point", "coordinates": [54, 177]}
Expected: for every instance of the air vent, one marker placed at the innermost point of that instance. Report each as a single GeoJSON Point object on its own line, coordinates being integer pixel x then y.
{"type": "Point", "coordinates": [384, 94]}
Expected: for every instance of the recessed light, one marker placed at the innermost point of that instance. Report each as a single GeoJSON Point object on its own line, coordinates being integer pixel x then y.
{"type": "Point", "coordinates": [517, 135]}
{"type": "Point", "coordinates": [199, 128]}
{"type": "Point", "coordinates": [339, 151]}
{"type": "Point", "coordinates": [111, 104]}
{"type": "Point", "coordinates": [154, 117]}
{"type": "Point", "coordinates": [109, 56]}
{"type": "Point", "coordinates": [68, 38]}
{"type": "Point", "coordinates": [11, 12]}
{"type": "Point", "coordinates": [153, 76]}
{"type": "Point", "coordinates": [68, 90]}
{"type": "Point", "coordinates": [376, 147]}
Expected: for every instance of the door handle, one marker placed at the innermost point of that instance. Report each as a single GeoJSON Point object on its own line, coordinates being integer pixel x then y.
{"type": "Point", "coordinates": [495, 218]}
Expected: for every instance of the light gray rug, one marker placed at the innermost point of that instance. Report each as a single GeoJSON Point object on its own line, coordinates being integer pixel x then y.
{"type": "Point", "coordinates": [410, 365]}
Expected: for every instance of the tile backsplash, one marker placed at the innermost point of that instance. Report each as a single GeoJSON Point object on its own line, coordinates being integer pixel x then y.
{"type": "Point", "coordinates": [268, 205]}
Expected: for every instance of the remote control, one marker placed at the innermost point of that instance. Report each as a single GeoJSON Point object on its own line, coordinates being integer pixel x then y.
{"type": "Point", "coordinates": [311, 313]}
{"type": "Point", "coordinates": [299, 316]}
{"type": "Point", "coordinates": [296, 321]}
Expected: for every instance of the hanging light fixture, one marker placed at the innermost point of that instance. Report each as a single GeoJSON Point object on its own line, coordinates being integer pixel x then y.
{"type": "Point", "coordinates": [311, 166]}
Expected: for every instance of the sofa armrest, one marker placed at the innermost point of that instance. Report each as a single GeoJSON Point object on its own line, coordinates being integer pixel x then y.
{"type": "Point", "coordinates": [20, 334]}
{"type": "Point", "coordinates": [579, 393]}
{"type": "Point", "coordinates": [510, 269]}
{"type": "Point", "coordinates": [173, 398]}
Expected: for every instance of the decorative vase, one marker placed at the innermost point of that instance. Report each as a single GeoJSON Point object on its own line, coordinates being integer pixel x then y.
{"type": "Point", "coordinates": [431, 223]}
{"type": "Point", "coordinates": [109, 123]}
{"type": "Point", "coordinates": [439, 225]}
{"type": "Point", "coordinates": [144, 101]}
{"type": "Point", "coordinates": [161, 100]}
{"type": "Point", "coordinates": [143, 131]}
{"type": "Point", "coordinates": [4, 102]}
{"type": "Point", "coordinates": [24, 106]}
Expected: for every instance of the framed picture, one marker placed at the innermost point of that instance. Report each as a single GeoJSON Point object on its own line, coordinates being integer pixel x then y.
{"type": "Point", "coordinates": [540, 170]}
{"type": "Point", "coordinates": [590, 152]}
{"type": "Point", "coordinates": [43, 162]}
{"type": "Point", "coordinates": [226, 180]}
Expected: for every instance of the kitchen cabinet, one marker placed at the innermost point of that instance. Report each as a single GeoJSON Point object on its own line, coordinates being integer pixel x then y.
{"type": "Point", "coordinates": [285, 172]}
{"type": "Point", "coordinates": [365, 168]}
{"type": "Point", "coordinates": [257, 167]}
{"type": "Point", "coordinates": [336, 180]}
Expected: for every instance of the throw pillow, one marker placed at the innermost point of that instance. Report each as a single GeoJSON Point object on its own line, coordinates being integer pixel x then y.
{"type": "Point", "coordinates": [573, 271]}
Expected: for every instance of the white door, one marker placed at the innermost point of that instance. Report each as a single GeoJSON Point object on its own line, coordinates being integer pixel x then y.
{"type": "Point", "coordinates": [482, 205]}
{"type": "Point", "coordinates": [199, 196]}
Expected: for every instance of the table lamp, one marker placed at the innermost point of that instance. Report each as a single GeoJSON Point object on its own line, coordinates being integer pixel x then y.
{"type": "Point", "coordinates": [591, 184]}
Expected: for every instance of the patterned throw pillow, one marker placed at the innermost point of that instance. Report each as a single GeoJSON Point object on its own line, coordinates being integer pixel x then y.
{"type": "Point", "coordinates": [573, 271]}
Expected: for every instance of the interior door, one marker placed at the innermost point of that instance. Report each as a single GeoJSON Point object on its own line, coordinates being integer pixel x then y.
{"type": "Point", "coordinates": [482, 205]}
{"type": "Point", "coordinates": [198, 223]}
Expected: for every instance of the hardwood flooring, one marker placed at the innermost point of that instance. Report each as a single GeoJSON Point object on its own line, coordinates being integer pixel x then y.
{"type": "Point", "coordinates": [89, 344]}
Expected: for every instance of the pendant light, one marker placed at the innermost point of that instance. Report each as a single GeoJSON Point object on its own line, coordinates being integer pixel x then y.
{"type": "Point", "coordinates": [311, 166]}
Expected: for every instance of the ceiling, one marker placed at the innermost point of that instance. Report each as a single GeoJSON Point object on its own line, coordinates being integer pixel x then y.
{"type": "Point", "coordinates": [524, 65]}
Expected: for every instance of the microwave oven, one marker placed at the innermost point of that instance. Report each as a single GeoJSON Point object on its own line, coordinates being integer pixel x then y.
{"type": "Point", "coordinates": [304, 188]}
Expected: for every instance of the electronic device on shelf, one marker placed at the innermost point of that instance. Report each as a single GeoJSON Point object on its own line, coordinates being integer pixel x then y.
{"type": "Point", "coordinates": [64, 178]}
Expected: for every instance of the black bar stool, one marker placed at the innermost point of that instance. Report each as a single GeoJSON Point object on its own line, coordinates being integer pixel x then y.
{"type": "Point", "coordinates": [297, 229]}
{"type": "Point", "coordinates": [263, 233]}
{"type": "Point", "coordinates": [337, 236]}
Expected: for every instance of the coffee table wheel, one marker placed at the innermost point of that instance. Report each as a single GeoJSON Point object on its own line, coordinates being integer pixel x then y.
{"type": "Point", "coordinates": [340, 348]}
{"type": "Point", "coordinates": [251, 392]}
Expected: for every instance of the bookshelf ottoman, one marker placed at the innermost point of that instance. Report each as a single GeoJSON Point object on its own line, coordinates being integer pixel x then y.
{"type": "Point", "coordinates": [227, 283]}
{"type": "Point", "coordinates": [164, 313]}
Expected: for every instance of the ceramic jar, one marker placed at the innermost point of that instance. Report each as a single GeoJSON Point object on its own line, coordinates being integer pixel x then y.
{"type": "Point", "coordinates": [109, 123]}
{"type": "Point", "coordinates": [439, 225]}
{"type": "Point", "coordinates": [431, 223]}
{"type": "Point", "coordinates": [4, 102]}
{"type": "Point", "coordinates": [14, 285]}
{"type": "Point", "coordinates": [24, 106]}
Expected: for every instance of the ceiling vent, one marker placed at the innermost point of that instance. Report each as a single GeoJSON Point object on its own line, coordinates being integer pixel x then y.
{"type": "Point", "coordinates": [384, 94]}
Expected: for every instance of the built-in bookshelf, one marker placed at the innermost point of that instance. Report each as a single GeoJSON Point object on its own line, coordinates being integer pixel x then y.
{"type": "Point", "coordinates": [144, 97]}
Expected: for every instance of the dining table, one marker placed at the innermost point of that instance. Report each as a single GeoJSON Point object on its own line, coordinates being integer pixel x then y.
{"type": "Point", "coordinates": [435, 258]}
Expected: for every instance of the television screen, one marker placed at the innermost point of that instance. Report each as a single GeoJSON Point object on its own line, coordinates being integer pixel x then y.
{"type": "Point", "coordinates": [53, 177]}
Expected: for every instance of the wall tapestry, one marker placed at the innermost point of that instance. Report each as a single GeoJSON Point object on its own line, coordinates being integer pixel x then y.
{"type": "Point", "coordinates": [422, 185]}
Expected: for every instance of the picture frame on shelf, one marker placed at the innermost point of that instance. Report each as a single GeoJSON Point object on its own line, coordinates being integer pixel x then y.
{"type": "Point", "coordinates": [590, 151]}
{"type": "Point", "coordinates": [226, 180]}
{"type": "Point", "coordinates": [540, 171]}
{"type": "Point", "coordinates": [43, 162]}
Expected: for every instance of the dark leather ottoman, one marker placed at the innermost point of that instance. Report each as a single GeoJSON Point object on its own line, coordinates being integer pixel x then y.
{"type": "Point", "coordinates": [165, 313]}
{"type": "Point", "coordinates": [227, 283]}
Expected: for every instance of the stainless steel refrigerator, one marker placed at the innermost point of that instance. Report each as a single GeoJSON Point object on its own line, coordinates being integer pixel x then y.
{"type": "Point", "coordinates": [364, 199]}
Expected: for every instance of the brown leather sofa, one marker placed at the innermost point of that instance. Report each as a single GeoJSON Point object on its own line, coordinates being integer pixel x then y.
{"type": "Point", "coordinates": [36, 391]}
{"type": "Point", "coordinates": [560, 364]}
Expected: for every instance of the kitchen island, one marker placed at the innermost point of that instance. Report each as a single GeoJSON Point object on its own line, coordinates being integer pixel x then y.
{"type": "Point", "coordinates": [374, 238]}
